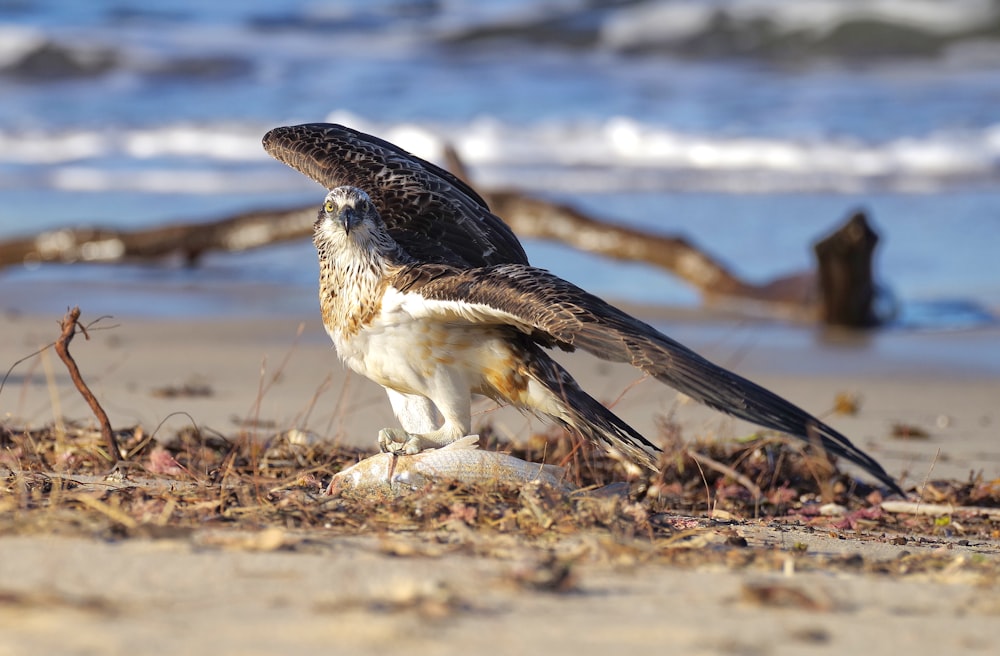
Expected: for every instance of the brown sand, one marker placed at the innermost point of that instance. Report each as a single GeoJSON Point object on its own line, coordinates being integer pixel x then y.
{"type": "Point", "coordinates": [219, 592]}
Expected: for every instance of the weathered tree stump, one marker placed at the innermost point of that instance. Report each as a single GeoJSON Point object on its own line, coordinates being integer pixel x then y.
{"type": "Point", "coordinates": [846, 283]}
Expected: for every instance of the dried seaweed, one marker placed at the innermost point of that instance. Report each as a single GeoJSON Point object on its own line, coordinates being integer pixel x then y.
{"type": "Point", "coordinates": [243, 493]}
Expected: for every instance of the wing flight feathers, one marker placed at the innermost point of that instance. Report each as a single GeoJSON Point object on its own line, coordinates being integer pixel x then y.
{"type": "Point", "coordinates": [556, 311]}
{"type": "Point", "coordinates": [432, 214]}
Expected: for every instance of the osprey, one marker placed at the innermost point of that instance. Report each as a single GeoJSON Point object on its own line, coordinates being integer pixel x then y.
{"type": "Point", "coordinates": [427, 293]}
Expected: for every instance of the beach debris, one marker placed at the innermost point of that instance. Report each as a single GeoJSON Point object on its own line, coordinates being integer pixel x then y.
{"type": "Point", "coordinates": [389, 475]}
{"type": "Point", "coordinates": [862, 518]}
{"type": "Point", "coordinates": [162, 462]}
{"type": "Point", "coordinates": [846, 403]}
{"type": "Point", "coordinates": [428, 599]}
{"type": "Point", "coordinates": [271, 538]}
{"type": "Point", "coordinates": [69, 324]}
{"type": "Point", "coordinates": [938, 509]}
{"type": "Point", "coordinates": [816, 635]}
{"type": "Point", "coordinates": [229, 496]}
{"type": "Point", "coordinates": [832, 510]}
{"type": "Point", "coordinates": [189, 390]}
{"type": "Point", "coordinates": [782, 595]}
{"type": "Point", "coordinates": [902, 431]}
{"type": "Point", "coordinates": [549, 573]}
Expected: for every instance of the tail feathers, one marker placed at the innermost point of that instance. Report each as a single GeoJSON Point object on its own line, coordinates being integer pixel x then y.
{"type": "Point", "coordinates": [578, 411]}
{"type": "Point", "coordinates": [739, 397]}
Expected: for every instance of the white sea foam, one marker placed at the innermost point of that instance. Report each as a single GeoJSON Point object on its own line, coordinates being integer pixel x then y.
{"type": "Point", "coordinates": [612, 155]}
{"type": "Point", "coordinates": [677, 19]}
{"type": "Point", "coordinates": [171, 181]}
{"type": "Point", "coordinates": [50, 148]}
{"type": "Point", "coordinates": [213, 143]}
{"type": "Point", "coordinates": [621, 154]}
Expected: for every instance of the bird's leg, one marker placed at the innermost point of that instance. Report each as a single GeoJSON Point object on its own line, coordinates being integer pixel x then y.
{"type": "Point", "coordinates": [457, 421]}
{"type": "Point", "coordinates": [415, 413]}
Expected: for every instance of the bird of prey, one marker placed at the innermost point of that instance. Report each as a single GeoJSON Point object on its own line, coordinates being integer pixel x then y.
{"type": "Point", "coordinates": [434, 327]}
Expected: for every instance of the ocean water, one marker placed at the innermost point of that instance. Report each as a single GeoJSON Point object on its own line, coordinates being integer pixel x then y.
{"type": "Point", "coordinates": [753, 127]}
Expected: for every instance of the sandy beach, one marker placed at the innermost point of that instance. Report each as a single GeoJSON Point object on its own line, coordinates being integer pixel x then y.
{"type": "Point", "coordinates": [738, 134]}
{"type": "Point", "coordinates": [278, 589]}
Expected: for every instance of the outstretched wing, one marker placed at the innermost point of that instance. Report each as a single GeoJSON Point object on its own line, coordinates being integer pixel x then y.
{"type": "Point", "coordinates": [432, 214]}
{"type": "Point", "coordinates": [556, 312]}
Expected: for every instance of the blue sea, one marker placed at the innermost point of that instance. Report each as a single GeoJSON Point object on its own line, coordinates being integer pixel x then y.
{"type": "Point", "coordinates": [751, 127]}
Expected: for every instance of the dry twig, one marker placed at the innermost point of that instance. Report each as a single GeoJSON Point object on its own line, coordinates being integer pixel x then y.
{"type": "Point", "coordinates": [69, 324]}
{"type": "Point", "coordinates": [711, 463]}
{"type": "Point", "coordinates": [937, 509]}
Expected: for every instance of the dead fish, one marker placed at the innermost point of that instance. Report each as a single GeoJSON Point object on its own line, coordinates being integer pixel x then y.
{"type": "Point", "coordinates": [386, 474]}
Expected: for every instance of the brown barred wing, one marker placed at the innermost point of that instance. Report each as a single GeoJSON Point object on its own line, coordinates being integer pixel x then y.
{"type": "Point", "coordinates": [432, 214]}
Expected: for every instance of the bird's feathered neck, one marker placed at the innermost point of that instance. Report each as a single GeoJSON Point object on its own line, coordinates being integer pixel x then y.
{"type": "Point", "coordinates": [355, 270]}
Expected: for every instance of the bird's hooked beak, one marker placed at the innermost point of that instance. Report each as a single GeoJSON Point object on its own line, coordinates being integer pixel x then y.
{"type": "Point", "coordinates": [348, 217]}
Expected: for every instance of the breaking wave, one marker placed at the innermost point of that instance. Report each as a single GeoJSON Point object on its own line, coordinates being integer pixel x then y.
{"type": "Point", "coordinates": [617, 154]}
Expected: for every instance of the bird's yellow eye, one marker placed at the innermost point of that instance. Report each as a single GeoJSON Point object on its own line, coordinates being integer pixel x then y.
{"type": "Point", "coordinates": [328, 207]}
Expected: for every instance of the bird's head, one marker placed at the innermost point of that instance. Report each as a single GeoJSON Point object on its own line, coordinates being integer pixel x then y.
{"type": "Point", "coordinates": [347, 209]}
{"type": "Point", "coordinates": [349, 218]}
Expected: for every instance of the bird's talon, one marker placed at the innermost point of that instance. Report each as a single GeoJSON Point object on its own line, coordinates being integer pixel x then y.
{"type": "Point", "coordinates": [398, 442]}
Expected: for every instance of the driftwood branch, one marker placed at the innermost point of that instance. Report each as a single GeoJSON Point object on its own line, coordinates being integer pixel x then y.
{"type": "Point", "coordinates": [188, 241]}
{"type": "Point", "coordinates": [540, 219]}
{"type": "Point", "coordinates": [841, 292]}
{"type": "Point", "coordinates": [69, 325]}
{"type": "Point", "coordinates": [535, 218]}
